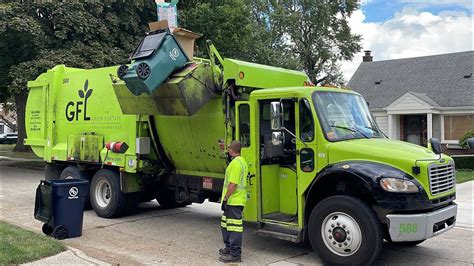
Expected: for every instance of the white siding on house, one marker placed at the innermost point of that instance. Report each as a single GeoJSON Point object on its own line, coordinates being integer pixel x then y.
{"type": "Point", "coordinates": [4, 128]}
{"type": "Point", "coordinates": [382, 121]}
{"type": "Point", "coordinates": [437, 126]}
{"type": "Point", "coordinates": [407, 104]}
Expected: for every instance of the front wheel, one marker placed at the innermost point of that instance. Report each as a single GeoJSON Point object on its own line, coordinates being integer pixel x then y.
{"type": "Point", "coordinates": [344, 230]}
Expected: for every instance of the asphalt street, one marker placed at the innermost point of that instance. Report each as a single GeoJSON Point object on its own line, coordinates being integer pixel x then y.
{"type": "Point", "coordinates": [191, 235]}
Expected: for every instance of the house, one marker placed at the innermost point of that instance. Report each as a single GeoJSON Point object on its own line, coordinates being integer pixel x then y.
{"type": "Point", "coordinates": [7, 121]}
{"type": "Point", "coordinates": [415, 99]}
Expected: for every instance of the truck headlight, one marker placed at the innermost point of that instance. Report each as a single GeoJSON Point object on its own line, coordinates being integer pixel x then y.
{"type": "Point", "coordinates": [398, 185]}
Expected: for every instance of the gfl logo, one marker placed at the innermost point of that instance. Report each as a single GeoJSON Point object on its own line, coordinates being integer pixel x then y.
{"type": "Point", "coordinates": [73, 109]}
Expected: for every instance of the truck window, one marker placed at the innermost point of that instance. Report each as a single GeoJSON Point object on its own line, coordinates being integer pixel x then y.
{"type": "Point", "coordinates": [244, 125]}
{"type": "Point", "coordinates": [306, 121]}
{"type": "Point", "coordinates": [307, 160]}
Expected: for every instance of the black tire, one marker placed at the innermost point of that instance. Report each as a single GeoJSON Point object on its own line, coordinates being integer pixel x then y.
{"type": "Point", "coordinates": [60, 232]}
{"type": "Point", "coordinates": [333, 213]}
{"type": "Point", "coordinates": [143, 70]}
{"type": "Point", "coordinates": [47, 230]}
{"type": "Point", "coordinates": [122, 71]}
{"type": "Point", "coordinates": [107, 199]}
{"type": "Point", "coordinates": [71, 172]}
{"type": "Point", "coordinates": [52, 171]}
{"type": "Point", "coordinates": [167, 199]}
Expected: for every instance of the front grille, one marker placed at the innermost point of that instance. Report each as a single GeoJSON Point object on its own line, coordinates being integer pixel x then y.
{"type": "Point", "coordinates": [442, 178]}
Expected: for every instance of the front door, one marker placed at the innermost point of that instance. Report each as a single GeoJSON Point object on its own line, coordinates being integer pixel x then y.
{"type": "Point", "coordinates": [415, 129]}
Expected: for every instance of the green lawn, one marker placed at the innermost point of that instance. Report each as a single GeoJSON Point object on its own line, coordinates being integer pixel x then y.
{"type": "Point", "coordinates": [464, 175]}
{"type": "Point", "coordinates": [7, 150]}
{"type": "Point", "coordinates": [20, 246]}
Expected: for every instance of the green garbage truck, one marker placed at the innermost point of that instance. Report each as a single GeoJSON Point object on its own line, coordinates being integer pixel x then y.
{"type": "Point", "coordinates": [320, 169]}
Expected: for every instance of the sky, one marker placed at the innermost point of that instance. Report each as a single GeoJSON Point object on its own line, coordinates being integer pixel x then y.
{"type": "Point", "coordinates": [395, 29]}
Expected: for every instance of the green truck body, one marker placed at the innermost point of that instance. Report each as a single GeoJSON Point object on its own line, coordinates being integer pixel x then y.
{"type": "Point", "coordinates": [344, 187]}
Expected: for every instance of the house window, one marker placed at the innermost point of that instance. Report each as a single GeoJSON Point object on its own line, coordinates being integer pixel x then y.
{"type": "Point", "coordinates": [455, 126]}
{"type": "Point", "coordinates": [2, 128]}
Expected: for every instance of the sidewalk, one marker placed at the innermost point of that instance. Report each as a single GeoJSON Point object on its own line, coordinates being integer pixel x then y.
{"type": "Point", "coordinates": [71, 256]}
{"type": "Point", "coordinates": [465, 201]}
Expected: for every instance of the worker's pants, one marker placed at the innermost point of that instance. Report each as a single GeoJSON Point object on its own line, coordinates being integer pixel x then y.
{"type": "Point", "coordinates": [232, 228]}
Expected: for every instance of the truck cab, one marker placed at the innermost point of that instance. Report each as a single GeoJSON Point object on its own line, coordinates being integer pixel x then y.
{"type": "Point", "coordinates": [321, 170]}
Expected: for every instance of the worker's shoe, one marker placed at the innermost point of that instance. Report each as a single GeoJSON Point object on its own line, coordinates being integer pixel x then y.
{"type": "Point", "coordinates": [229, 259]}
{"type": "Point", "coordinates": [224, 251]}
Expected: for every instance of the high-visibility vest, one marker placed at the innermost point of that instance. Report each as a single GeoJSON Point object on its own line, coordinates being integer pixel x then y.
{"type": "Point", "coordinates": [236, 173]}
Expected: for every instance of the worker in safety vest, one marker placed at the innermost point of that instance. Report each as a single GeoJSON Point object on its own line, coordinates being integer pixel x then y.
{"type": "Point", "coordinates": [234, 196]}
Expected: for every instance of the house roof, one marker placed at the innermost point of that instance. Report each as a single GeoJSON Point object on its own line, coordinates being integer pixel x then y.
{"type": "Point", "coordinates": [444, 80]}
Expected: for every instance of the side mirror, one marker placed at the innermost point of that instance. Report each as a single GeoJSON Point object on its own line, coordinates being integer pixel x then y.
{"type": "Point", "coordinates": [277, 138]}
{"type": "Point", "coordinates": [275, 114]}
{"type": "Point", "coordinates": [435, 145]}
{"type": "Point", "coordinates": [470, 143]}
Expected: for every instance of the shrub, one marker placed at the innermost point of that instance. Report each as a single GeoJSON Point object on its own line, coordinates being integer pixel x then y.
{"type": "Point", "coordinates": [463, 140]}
{"type": "Point", "coordinates": [464, 162]}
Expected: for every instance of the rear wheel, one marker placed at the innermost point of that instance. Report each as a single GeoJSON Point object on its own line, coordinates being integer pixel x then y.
{"type": "Point", "coordinates": [167, 199]}
{"type": "Point", "coordinates": [47, 230]}
{"type": "Point", "coordinates": [71, 172]}
{"type": "Point", "coordinates": [60, 232]}
{"type": "Point", "coordinates": [344, 230]}
{"type": "Point", "coordinates": [107, 199]}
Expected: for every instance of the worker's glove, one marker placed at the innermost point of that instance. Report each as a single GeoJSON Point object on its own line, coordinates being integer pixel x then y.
{"type": "Point", "coordinates": [224, 205]}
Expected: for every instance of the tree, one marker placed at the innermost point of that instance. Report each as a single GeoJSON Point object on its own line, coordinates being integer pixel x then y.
{"type": "Point", "coordinates": [317, 32]}
{"type": "Point", "coordinates": [309, 35]}
{"type": "Point", "coordinates": [37, 36]}
{"type": "Point", "coordinates": [237, 30]}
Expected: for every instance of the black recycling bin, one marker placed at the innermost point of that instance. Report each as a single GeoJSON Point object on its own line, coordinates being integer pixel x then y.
{"type": "Point", "coordinates": [60, 205]}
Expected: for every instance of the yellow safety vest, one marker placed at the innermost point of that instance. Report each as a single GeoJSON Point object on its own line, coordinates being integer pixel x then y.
{"type": "Point", "coordinates": [236, 173]}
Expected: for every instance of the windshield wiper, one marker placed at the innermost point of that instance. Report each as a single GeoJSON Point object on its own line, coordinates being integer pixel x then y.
{"type": "Point", "coordinates": [353, 130]}
{"type": "Point", "coordinates": [376, 130]}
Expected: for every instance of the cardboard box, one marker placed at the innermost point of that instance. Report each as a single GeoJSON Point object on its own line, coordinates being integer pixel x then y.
{"type": "Point", "coordinates": [186, 38]}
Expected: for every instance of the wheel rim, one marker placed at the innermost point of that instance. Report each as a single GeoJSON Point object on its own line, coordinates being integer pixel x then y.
{"type": "Point", "coordinates": [341, 234]}
{"type": "Point", "coordinates": [143, 70]}
{"type": "Point", "coordinates": [60, 232]}
{"type": "Point", "coordinates": [103, 193]}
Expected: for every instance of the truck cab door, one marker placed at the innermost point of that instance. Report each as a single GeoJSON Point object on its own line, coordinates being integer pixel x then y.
{"type": "Point", "coordinates": [245, 133]}
{"type": "Point", "coordinates": [306, 150]}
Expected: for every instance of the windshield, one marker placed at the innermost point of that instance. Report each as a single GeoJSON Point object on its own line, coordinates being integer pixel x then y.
{"type": "Point", "coordinates": [344, 116]}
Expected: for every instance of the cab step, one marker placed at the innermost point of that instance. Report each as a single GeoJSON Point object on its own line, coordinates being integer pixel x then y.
{"type": "Point", "coordinates": [280, 232]}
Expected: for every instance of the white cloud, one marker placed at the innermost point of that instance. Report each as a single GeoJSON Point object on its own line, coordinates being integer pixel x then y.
{"type": "Point", "coordinates": [411, 33]}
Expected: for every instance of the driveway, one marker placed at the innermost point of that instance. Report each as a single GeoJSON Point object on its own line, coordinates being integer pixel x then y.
{"type": "Point", "coordinates": [191, 235]}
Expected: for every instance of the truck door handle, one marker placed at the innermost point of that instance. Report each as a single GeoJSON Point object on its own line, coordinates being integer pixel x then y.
{"type": "Point", "coordinates": [249, 177]}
